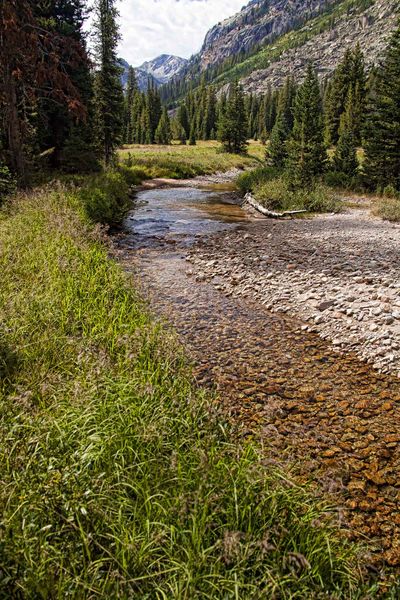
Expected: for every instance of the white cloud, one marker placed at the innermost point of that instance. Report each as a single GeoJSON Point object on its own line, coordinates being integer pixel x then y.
{"type": "Point", "coordinates": [153, 27]}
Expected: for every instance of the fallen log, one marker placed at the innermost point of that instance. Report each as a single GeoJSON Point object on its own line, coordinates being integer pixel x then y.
{"type": "Point", "coordinates": [270, 213]}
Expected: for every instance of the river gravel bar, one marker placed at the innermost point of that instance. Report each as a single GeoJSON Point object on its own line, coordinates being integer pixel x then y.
{"type": "Point", "coordinates": [338, 273]}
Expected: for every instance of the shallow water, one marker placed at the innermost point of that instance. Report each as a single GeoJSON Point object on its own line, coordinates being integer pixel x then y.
{"type": "Point", "coordinates": [334, 416]}
{"type": "Point", "coordinates": [181, 214]}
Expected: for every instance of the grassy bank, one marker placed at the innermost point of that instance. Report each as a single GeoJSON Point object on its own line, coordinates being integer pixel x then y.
{"type": "Point", "coordinates": [116, 481]}
{"type": "Point", "coordinates": [181, 162]}
{"type": "Point", "coordinates": [273, 190]}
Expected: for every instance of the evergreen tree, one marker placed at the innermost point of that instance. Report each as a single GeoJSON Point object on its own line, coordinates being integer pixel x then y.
{"type": "Point", "coordinates": [183, 118]}
{"type": "Point", "coordinates": [336, 98]}
{"type": "Point", "coordinates": [35, 60]}
{"type": "Point", "coordinates": [277, 151]}
{"type": "Point", "coordinates": [345, 157]}
{"type": "Point", "coordinates": [73, 146]}
{"type": "Point", "coordinates": [382, 133]}
{"type": "Point", "coordinates": [131, 92]}
{"type": "Point", "coordinates": [154, 110]}
{"type": "Point", "coordinates": [306, 149]}
{"type": "Point", "coordinates": [163, 132]}
{"type": "Point", "coordinates": [109, 100]}
{"type": "Point", "coordinates": [233, 126]}
{"type": "Point", "coordinates": [192, 138]}
{"type": "Point", "coordinates": [210, 113]}
{"type": "Point", "coordinates": [350, 74]}
{"type": "Point", "coordinates": [358, 89]}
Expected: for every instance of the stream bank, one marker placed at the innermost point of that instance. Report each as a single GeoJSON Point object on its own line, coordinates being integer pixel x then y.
{"type": "Point", "coordinates": [331, 414]}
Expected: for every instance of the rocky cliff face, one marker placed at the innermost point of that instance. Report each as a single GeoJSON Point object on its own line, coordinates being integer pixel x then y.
{"type": "Point", "coordinates": [370, 28]}
{"type": "Point", "coordinates": [274, 38]}
{"type": "Point", "coordinates": [261, 21]}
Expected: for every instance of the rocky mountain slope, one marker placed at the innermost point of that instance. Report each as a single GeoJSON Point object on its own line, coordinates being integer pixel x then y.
{"type": "Point", "coordinates": [269, 39]}
{"type": "Point", "coordinates": [159, 70]}
{"type": "Point", "coordinates": [164, 67]}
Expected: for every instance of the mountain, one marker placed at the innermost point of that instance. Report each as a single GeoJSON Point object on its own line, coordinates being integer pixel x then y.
{"type": "Point", "coordinates": [164, 67]}
{"type": "Point", "coordinates": [158, 71]}
{"type": "Point", "coordinates": [270, 39]}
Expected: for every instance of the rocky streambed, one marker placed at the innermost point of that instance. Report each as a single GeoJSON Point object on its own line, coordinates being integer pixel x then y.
{"type": "Point", "coordinates": [285, 321]}
{"type": "Point", "coordinates": [340, 274]}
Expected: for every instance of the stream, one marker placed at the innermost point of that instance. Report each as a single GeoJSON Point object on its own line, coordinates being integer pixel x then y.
{"type": "Point", "coordinates": [331, 416]}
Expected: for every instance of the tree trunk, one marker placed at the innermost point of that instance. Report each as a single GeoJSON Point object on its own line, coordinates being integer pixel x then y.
{"type": "Point", "coordinates": [15, 143]}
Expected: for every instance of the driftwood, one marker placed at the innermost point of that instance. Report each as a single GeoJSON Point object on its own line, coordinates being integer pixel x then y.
{"type": "Point", "coordinates": [270, 213]}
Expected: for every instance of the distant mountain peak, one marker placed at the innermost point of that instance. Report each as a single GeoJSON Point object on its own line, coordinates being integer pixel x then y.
{"type": "Point", "coordinates": [158, 71]}
{"type": "Point", "coordinates": [163, 67]}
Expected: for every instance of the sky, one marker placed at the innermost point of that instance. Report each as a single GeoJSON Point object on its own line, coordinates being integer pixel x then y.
{"type": "Point", "coordinates": [153, 27]}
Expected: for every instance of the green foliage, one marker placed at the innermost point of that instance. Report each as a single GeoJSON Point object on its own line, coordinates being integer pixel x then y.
{"type": "Point", "coordinates": [163, 133]}
{"type": "Point", "coordinates": [232, 130]}
{"type": "Point", "coordinates": [192, 138]}
{"type": "Point", "coordinates": [116, 480]}
{"type": "Point", "coordinates": [8, 183]}
{"type": "Point", "coordinates": [346, 94]}
{"type": "Point", "coordinates": [278, 194]}
{"type": "Point", "coordinates": [382, 133]}
{"type": "Point", "coordinates": [306, 150]}
{"type": "Point", "coordinates": [109, 99]}
{"type": "Point", "coordinates": [277, 152]}
{"type": "Point", "coordinates": [388, 208]}
{"type": "Point", "coordinates": [78, 155]}
{"type": "Point", "coordinates": [182, 162]}
{"type": "Point", "coordinates": [249, 180]}
{"type": "Point", "coordinates": [133, 174]}
{"type": "Point", "coordinates": [105, 197]}
{"type": "Point", "coordinates": [345, 157]}
{"type": "Point", "coordinates": [338, 179]}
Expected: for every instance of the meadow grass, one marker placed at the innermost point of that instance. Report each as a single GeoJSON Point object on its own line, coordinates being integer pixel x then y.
{"type": "Point", "coordinates": [181, 162]}
{"type": "Point", "coordinates": [118, 477]}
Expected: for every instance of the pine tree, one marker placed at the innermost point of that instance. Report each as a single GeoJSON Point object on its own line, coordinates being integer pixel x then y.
{"type": "Point", "coordinates": [210, 113]}
{"type": "Point", "coordinates": [233, 126]}
{"type": "Point", "coordinates": [345, 157]}
{"type": "Point", "coordinates": [183, 118]}
{"type": "Point", "coordinates": [73, 145]}
{"type": "Point", "coordinates": [277, 150]}
{"type": "Point", "coordinates": [30, 58]}
{"type": "Point", "coordinates": [306, 149]}
{"type": "Point", "coordinates": [336, 98]}
{"type": "Point", "coordinates": [154, 110]}
{"type": "Point", "coordinates": [350, 74]}
{"type": "Point", "coordinates": [109, 100]}
{"type": "Point", "coordinates": [358, 88]}
{"type": "Point", "coordinates": [382, 133]}
{"type": "Point", "coordinates": [192, 138]}
{"type": "Point", "coordinates": [131, 91]}
{"type": "Point", "coordinates": [163, 132]}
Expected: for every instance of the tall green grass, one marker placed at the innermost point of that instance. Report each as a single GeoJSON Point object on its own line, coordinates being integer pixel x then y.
{"type": "Point", "coordinates": [184, 162]}
{"type": "Point", "coordinates": [118, 480]}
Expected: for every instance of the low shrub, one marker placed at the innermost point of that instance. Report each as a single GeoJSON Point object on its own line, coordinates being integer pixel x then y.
{"type": "Point", "coordinates": [337, 179]}
{"type": "Point", "coordinates": [246, 182]}
{"type": "Point", "coordinates": [388, 209]}
{"type": "Point", "coordinates": [278, 194]}
{"type": "Point", "coordinates": [391, 193]}
{"type": "Point", "coordinates": [105, 197]}
{"type": "Point", "coordinates": [133, 175]}
{"type": "Point", "coordinates": [79, 156]}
